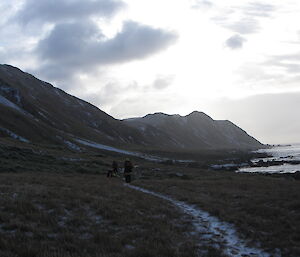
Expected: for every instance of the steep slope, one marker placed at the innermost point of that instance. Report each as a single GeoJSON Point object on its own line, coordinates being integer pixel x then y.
{"type": "Point", "coordinates": [37, 111]}
{"type": "Point", "coordinates": [194, 131]}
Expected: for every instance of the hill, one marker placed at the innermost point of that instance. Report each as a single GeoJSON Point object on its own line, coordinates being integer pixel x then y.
{"type": "Point", "coordinates": [194, 131]}
{"type": "Point", "coordinates": [34, 111]}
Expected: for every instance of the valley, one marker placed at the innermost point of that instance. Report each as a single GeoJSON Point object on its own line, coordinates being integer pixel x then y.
{"type": "Point", "coordinates": [185, 200]}
{"type": "Point", "coordinates": [56, 202]}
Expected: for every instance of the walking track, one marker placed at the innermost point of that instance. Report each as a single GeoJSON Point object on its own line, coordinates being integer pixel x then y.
{"type": "Point", "coordinates": [211, 229]}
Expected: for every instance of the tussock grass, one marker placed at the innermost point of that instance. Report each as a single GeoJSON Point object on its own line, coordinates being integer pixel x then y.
{"type": "Point", "coordinates": [264, 209]}
{"type": "Point", "coordinates": [52, 206]}
{"type": "Point", "coordinates": [46, 214]}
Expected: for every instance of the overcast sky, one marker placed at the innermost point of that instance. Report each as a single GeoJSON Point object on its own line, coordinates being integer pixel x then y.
{"type": "Point", "coordinates": [234, 59]}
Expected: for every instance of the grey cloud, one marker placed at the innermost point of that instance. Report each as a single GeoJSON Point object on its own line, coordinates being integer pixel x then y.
{"type": "Point", "coordinates": [115, 97]}
{"type": "Point", "coordinates": [247, 16]}
{"type": "Point", "coordinates": [269, 76]}
{"type": "Point", "coordinates": [108, 94]}
{"type": "Point", "coordinates": [197, 4]}
{"type": "Point", "coordinates": [6, 8]}
{"type": "Point", "coordinates": [111, 93]}
{"type": "Point", "coordinates": [75, 47]}
{"type": "Point", "coordinates": [235, 42]}
{"type": "Point", "coordinates": [141, 105]}
{"type": "Point", "coordinates": [3, 55]}
{"type": "Point", "coordinates": [286, 57]}
{"type": "Point", "coordinates": [53, 11]}
{"type": "Point", "coordinates": [290, 67]}
{"type": "Point", "coordinates": [290, 63]}
{"type": "Point", "coordinates": [255, 73]}
{"type": "Point", "coordinates": [136, 41]}
{"type": "Point", "coordinates": [162, 82]}
{"type": "Point", "coordinates": [68, 42]}
{"type": "Point", "coordinates": [246, 25]}
{"type": "Point", "coordinates": [259, 9]}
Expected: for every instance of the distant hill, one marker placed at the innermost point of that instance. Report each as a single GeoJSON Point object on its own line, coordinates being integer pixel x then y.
{"type": "Point", "coordinates": [194, 131]}
{"type": "Point", "coordinates": [34, 111]}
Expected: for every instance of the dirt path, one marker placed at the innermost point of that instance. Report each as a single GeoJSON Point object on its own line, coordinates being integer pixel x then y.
{"type": "Point", "coordinates": [211, 230]}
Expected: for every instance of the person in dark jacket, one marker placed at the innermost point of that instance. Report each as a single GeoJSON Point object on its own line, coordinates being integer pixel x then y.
{"type": "Point", "coordinates": [115, 168]}
{"type": "Point", "coordinates": [114, 171]}
{"type": "Point", "coordinates": [127, 170]}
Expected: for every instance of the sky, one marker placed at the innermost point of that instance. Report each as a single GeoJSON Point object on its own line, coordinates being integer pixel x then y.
{"type": "Point", "coordinates": [236, 59]}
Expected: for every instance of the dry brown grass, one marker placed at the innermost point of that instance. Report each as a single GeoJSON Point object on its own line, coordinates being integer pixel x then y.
{"type": "Point", "coordinates": [50, 206]}
{"type": "Point", "coordinates": [45, 214]}
{"type": "Point", "coordinates": [265, 209]}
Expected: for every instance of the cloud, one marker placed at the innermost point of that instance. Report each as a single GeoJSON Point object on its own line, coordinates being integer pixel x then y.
{"type": "Point", "coordinates": [245, 25]}
{"type": "Point", "coordinates": [272, 75]}
{"type": "Point", "coordinates": [198, 4]}
{"type": "Point", "coordinates": [112, 93]}
{"type": "Point", "coordinates": [290, 63]}
{"type": "Point", "coordinates": [131, 106]}
{"type": "Point", "coordinates": [162, 82]}
{"type": "Point", "coordinates": [67, 40]}
{"type": "Point", "coordinates": [256, 9]}
{"type": "Point", "coordinates": [244, 19]}
{"type": "Point", "coordinates": [235, 42]}
{"type": "Point", "coordinates": [54, 11]}
{"type": "Point", "coordinates": [5, 8]}
{"type": "Point", "coordinates": [117, 97]}
{"type": "Point", "coordinates": [81, 46]}
{"type": "Point", "coordinates": [256, 73]}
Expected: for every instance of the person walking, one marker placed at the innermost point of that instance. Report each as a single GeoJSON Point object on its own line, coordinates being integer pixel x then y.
{"type": "Point", "coordinates": [114, 171]}
{"type": "Point", "coordinates": [127, 170]}
{"type": "Point", "coordinates": [115, 168]}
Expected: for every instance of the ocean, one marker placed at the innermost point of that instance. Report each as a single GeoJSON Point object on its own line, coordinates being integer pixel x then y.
{"type": "Point", "coordinates": [287, 154]}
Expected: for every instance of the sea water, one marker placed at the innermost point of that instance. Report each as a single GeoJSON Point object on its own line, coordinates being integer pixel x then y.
{"type": "Point", "coordinates": [284, 153]}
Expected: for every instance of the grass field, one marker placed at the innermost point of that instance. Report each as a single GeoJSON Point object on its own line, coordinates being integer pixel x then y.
{"type": "Point", "coordinates": [263, 208]}
{"type": "Point", "coordinates": [57, 203]}
{"type": "Point", "coordinates": [86, 215]}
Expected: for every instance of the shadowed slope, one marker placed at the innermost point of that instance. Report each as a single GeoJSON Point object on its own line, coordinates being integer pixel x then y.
{"type": "Point", "coordinates": [36, 111]}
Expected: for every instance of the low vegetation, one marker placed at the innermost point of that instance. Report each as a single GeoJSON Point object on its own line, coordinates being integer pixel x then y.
{"type": "Point", "coordinates": [58, 203]}
{"type": "Point", "coordinates": [86, 215]}
{"type": "Point", "coordinates": [265, 209]}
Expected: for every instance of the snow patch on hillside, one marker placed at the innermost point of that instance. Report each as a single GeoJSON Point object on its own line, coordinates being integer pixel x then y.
{"type": "Point", "coordinates": [72, 146]}
{"type": "Point", "coordinates": [136, 154]}
{"type": "Point", "coordinates": [69, 144]}
{"type": "Point", "coordinates": [13, 135]}
{"type": "Point", "coordinates": [10, 104]}
{"type": "Point", "coordinates": [43, 115]}
{"type": "Point", "coordinates": [11, 92]}
{"type": "Point", "coordinates": [105, 147]}
{"type": "Point", "coordinates": [117, 150]}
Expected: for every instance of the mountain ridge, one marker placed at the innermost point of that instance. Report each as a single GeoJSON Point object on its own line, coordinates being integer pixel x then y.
{"type": "Point", "coordinates": [196, 128]}
{"type": "Point", "coordinates": [39, 112]}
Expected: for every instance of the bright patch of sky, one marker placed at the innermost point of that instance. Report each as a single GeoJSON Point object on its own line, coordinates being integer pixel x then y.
{"type": "Point", "coordinates": [231, 59]}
